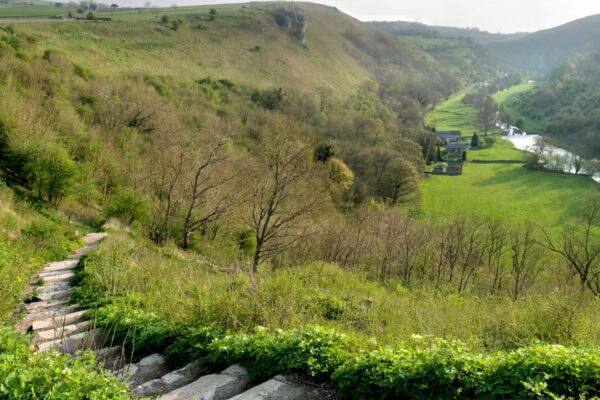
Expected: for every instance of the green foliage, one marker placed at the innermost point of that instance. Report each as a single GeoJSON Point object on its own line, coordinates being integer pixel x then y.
{"type": "Point", "coordinates": [50, 171]}
{"type": "Point", "coordinates": [313, 351]}
{"type": "Point", "coordinates": [324, 152]}
{"type": "Point", "coordinates": [26, 375]}
{"type": "Point", "coordinates": [567, 106]}
{"type": "Point", "coordinates": [127, 204]}
{"type": "Point", "coordinates": [446, 370]}
{"type": "Point", "coordinates": [28, 239]}
{"type": "Point", "coordinates": [270, 99]}
{"type": "Point", "coordinates": [475, 141]}
{"type": "Point", "coordinates": [192, 343]}
{"type": "Point", "coordinates": [82, 71]}
{"type": "Point", "coordinates": [139, 330]}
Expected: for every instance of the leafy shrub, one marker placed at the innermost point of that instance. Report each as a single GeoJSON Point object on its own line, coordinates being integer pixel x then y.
{"type": "Point", "coordinates": [192, 344]}
{"type": "Point", "coordinates": [446, 370]}
{"type": "Point", "coordinates": [542, 371]}
{"type": "Point", "coordinates": [139, 330]}
{"type": "Point", "coordinates": [127, 205]}
{"type": "Point", "coordinates": [438, 372]}
{"type": "Point", "coordinates": [314, 351]}
{"type": "Point", "coordinates": [50, 171]}
{"type": "Point", "coordinates": [270, 99]}
{"type": "Point", "coordinates": [26, 375]}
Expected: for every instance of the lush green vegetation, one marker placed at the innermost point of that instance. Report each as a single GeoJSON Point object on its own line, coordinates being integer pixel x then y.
{"type": "Point", "coordinates": [453, 114]}
{"type": "Point", "coordinates": [509, 100]}
{"type": "Point", "coordinates": [30, 236]}
{"type": "Point", "coordinates": [566, 106]}
{"type": "Point", "coordinates": [271, 177]}
{"type": "Point", "coordinates": [466, 59]}
{"type": "Point", "coordinates": [28, 375]}
{"type": "Point", "coordinates": [547, 49]}
{"type": "Point", "coordinates": [506, 191]}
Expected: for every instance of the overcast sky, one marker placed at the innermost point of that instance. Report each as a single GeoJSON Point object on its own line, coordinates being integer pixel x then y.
{"type": "Point", "coordinates": [490, 15]}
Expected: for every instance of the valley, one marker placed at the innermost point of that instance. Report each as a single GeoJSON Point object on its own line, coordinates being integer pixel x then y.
{"type": "Point", "coordinates": [280, 201]}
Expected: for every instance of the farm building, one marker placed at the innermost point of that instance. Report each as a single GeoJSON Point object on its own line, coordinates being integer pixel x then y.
{"type": "Point", "coordinates": [449, 136]}
{"type": "Point", "coordinates": [458, 150]}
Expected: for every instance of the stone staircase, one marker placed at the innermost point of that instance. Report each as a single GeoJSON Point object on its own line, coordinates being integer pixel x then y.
{"type": "Point", "coordinates": [58, 324]}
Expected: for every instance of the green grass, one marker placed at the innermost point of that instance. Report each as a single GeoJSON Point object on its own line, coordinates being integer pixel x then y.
{"type": "Point", "coordinates": [508, 192]}
{"type": "Point", "coordinates": [453, 114]}
{"type": "Point", "coordinates": [507, 99]}
{"type": "Point", "coordinates": [136, 42]}
{"type": "Point", "coordinates": [505, 191]}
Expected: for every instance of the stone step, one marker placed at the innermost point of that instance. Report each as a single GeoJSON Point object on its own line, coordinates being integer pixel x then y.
{"type": "Point", "coordinates": [147, 369]}
{"type": "Point", "coordinates": [65, 265]}
{"type": "Point", "coordinates": [53, 287]}
{"type": "Point", "coordinates": [284, 388]}
{"type": "Point", "coordinates": [113, 358]}
{"type": "Point", "coordinates": [171, 381]}
{"type": "Point", "coordinates": [64, 331]}
{"type": "Point", "coordinates": [92, 239]}
{"type": "Point", "coordinates": [223, 386]}
{"type": "Point", "coordinates": [39, 306]}
{"type": "Point", "coordinates": [55, 277]}
{"type": "Point", "coordinates": [61, 309]}
{"type": "Point", "coordinates": [79, 341]}
{"type": "Point", "coordinates": [60, 295]}
{"type": "Point", "coordinates": [58, 320]}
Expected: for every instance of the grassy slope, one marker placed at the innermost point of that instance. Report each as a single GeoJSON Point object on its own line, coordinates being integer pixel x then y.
{"type": "Point", "coordinates": [453, 114]}
{"type": "Point", "coordinates": [541, 51]}
{"type": "Point", "coordinates": [29, 237]}
{"type": "Point", "coordinates": [506, 191]}
{"type": "Point", "coordinates": [507, 99]}
{"type": "Point", "coordinates": [135, 41]}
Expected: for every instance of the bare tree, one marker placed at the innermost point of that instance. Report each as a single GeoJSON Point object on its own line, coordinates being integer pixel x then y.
{"type": "Point", "coordinates": [579, 248]}
{"type": "Point", "coordinates": [284, 191]}
{"type": "Point", "coordinates": [494, 248]}
{"type": "Point", "coordinates": [527, 259]}
{"type": "Point", "coordinates": [205, 202]}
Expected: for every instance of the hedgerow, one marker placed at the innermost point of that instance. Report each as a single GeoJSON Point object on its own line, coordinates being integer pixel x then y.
{"type": "Point", "coordinates": [418, 369]}
{"type": "Point", "coordinates": [26, 375]}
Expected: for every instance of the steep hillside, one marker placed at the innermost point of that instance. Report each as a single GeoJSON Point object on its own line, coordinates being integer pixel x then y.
{"type": "Point", "coordinates": [455, 48]}
{"type": "Point", "coordinates": [242, 43]}
{"type": "Point", "coordinates": [567, 106]}
{"type": "Point", "coordinates": [404, 28]}
{"type": "Point", "coordinates": [544, 50]}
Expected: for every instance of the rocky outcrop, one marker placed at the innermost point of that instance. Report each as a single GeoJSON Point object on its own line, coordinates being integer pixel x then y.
{"type": "Point", "coordinates": [293, 21]}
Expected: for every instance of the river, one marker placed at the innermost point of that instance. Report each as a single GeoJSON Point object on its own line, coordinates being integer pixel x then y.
{"type": "Point", "coordinates": [552, 153]}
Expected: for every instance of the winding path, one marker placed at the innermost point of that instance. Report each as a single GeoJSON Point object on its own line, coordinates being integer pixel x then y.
{"type": "Point", "coordinates": [58, 324]}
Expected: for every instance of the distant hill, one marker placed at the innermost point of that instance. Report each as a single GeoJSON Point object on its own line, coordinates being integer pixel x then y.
{"type": "Point", "coordinates": [404, 28]}
{"type": "Point", "coordinates": [544, 50]}
{"type": "Point", "coordinates": [537, 52]}
{"type": "Point", "coordinates": [457, 49]}
{"type": "Point", "coordinates": [567, 105]}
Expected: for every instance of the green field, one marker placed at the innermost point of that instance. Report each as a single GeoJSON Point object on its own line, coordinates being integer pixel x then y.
{"type": "Point", "coordinates": [453, 114]}
{"type": "Point", "coordinates": [40, 11]}
{"type": "Point", "coordinates": [507, 99]}
{"type": "Point", "coordinates": [505, 191]}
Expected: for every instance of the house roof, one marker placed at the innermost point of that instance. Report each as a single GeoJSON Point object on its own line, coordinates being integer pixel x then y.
{"type": "Point", "coordinates": [457, 146]}
{"type": "Point", "coordinates": [449, 133]}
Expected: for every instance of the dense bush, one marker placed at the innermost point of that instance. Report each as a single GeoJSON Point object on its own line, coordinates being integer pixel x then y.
{"type": "Point", "coordinates": [50, 171]}
{"type": "Point", "coordinates": [128, 205]}
{"type": "Point", "coordinates": [419, 369]}
{"type": "Point", "coordinates": [314, 351]}
{"type": "Point", "coordinates": [26, 375]}
{"type": "Point", "coordinates": [447, 371]}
